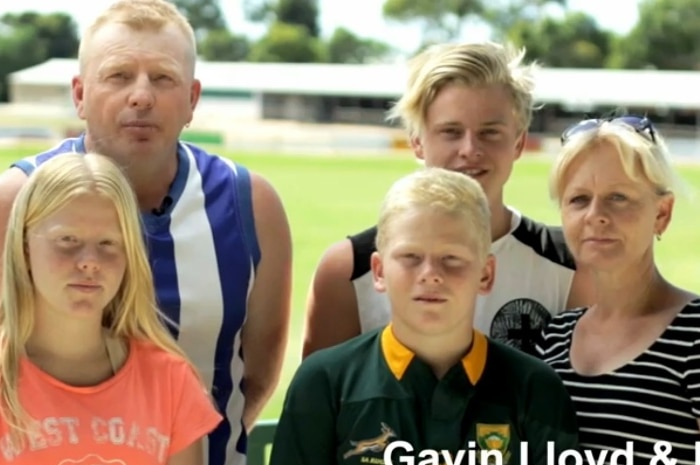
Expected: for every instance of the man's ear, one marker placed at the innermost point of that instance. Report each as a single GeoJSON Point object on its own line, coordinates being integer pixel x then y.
{"type": "Point", "coordinates": [77, 94]}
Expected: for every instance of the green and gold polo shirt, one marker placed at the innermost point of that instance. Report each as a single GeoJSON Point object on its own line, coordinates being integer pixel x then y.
{"type": "Point", "coordinates": [371, 400]}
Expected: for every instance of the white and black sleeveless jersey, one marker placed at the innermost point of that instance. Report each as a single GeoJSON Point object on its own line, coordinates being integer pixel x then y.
{"type": "Point", "coordinates": [534, 271]}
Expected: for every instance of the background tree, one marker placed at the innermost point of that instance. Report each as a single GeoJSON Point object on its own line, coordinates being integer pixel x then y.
{"type": "Point", "coordinates": [288, 43]}
{"type": "Point", "coordinates": [296, 12]}
{"type": "Point", "coordinates": [203, 15]}
{"type": "Point", "coordinates": [28, 39]}
{"type": "Point", "coordinates": [300, 12]}
{"type": "Point", "coordinates": [576, 41]}
{"type": "Point", "coordinates": [18, 51]}
{"type": "Point", "coordinates": [57, 32]}
{"type": "Point", "coordinates": [223, 45]}
{"type": "Point", "coordinates": [442, 20]}
{"type": "Point", "coordinates": [504, 15]}
{"type": "Point", "coordinates": [215, 42]}
{"type": "Point", "coordinates": [666, 36]}
{"type": "Point", "coordinates": [293, 33]}
{"type": "Point", "coordinates": [346, 47]}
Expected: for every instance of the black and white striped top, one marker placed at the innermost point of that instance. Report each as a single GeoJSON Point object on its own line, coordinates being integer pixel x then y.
{"type": "Point", "coordinates": [655, 397]}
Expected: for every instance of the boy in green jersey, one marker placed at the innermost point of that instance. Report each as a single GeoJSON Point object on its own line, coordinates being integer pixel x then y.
{"type": "Point", "coordinates": [427, 388]}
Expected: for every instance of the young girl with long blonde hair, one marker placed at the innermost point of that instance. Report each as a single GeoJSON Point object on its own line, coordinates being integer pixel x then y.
{"type": "Point", "coordinates": [89, 374]}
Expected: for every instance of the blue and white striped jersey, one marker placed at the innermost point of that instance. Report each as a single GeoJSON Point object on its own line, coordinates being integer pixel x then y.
{"type": "Point", "coordinates": [203, 251]}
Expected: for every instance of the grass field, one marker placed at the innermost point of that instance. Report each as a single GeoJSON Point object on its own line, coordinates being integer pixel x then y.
{"type": "Point", "coordinates": [329, 197]}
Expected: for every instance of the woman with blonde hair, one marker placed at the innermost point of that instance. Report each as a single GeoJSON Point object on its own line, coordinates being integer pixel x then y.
{"type": "Point", "coordinates": [88, 371]}
{"type": "Point", "coordinates": [631, 361]}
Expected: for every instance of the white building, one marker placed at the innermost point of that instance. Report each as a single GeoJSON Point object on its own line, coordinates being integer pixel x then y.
{"type": "Point", "coordinates": [327, 92]}
{"type": "Point", "coordinates": [361, 94]}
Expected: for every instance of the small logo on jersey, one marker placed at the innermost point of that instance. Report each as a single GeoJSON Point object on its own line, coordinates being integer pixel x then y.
{"type": "Point", "coordinates": [376, 444]}
{"type": "Point", "coordinates": [494, 437]}
{"type": "Point", "coordinates": [519, 322]}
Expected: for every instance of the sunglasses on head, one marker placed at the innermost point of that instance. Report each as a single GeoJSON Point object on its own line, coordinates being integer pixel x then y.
{"type": "Point", "coordinates": [641, 124]}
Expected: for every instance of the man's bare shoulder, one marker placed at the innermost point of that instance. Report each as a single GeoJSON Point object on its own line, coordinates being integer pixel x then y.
{"type": "Point", "coordinates": [11, 181]}
{"type": "Point", "coordinates": [337, 262]}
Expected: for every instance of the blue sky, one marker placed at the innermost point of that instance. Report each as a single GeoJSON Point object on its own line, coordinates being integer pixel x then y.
{"type": "Point", "coordinates": [363, 17]}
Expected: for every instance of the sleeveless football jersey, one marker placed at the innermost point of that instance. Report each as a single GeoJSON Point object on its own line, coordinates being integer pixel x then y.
{"type": "Point", "coordinates": [534, 271]}
{"type": "Point", "coordinates": [203, 252]}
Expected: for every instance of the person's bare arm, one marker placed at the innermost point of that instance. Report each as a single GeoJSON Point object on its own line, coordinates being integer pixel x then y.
{"type": "Point", "coordinates": [192, 455]}
{"type": "Point", "coordinates": [331, 309]}
{"type": "Point", "coordinates": [11, 181]}
{"type": "Point", "coordinates": [582, 293]}
{"type": "Point", "coordinates": [264, 335]}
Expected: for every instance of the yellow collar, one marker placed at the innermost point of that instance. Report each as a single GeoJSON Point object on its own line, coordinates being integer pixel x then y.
{"type": "Point", "coordinates": [398, 356]}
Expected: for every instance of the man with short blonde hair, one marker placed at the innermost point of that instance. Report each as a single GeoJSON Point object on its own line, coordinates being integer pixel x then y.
{"type": "Point", "coordinates": [217, 234]}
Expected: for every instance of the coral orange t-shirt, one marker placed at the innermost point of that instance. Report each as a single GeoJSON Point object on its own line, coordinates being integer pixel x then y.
{"type": "Point", "coordinates": [152, 408]}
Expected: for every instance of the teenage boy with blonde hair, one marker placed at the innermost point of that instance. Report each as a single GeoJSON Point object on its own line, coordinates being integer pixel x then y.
{"type": "Point", "coordinates": [466, 108]}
